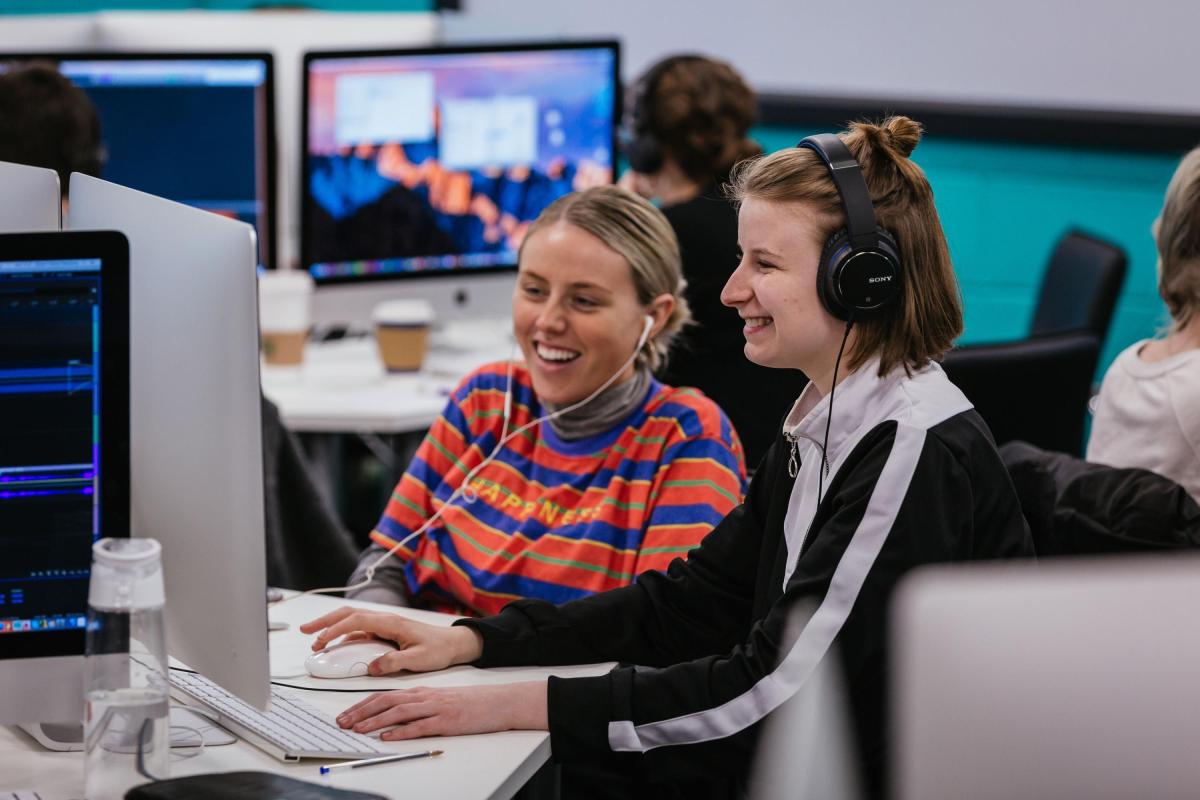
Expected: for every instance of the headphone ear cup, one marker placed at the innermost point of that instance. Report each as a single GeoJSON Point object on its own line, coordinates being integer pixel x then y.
{"type": "Point", "coordinates": [644, 154]}
{"type": "Point", "coordinates": [832, 255]}
{"type": "Point", "coordinates": [887, 243]}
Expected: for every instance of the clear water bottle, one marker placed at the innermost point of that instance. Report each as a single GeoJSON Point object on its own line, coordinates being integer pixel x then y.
{"type": "Point", "coordinates": [126, 717]}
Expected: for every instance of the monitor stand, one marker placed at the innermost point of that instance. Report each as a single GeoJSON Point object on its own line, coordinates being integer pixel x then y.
{"type": "Point", "coordinates": [58, 736]}
{"type": "Point", "coordinates": [186, 728]}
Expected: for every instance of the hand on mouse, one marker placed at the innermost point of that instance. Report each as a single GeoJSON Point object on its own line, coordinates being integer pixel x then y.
{"type": "Point", "coordinates": [423, 648]}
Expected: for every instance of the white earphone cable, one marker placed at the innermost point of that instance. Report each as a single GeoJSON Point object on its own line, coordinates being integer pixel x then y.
{"type": "Point", "coordinates": [464, 489]}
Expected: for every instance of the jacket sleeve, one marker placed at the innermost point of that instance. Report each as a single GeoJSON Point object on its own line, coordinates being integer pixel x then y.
{"type": "Point", "coordinates": [700, 717]}
{"type": "Point", "coordinates": [696, 607]}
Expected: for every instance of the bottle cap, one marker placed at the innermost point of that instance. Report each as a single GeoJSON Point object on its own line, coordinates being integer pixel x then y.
{"type": "Point", "coordinates": [126, 575]}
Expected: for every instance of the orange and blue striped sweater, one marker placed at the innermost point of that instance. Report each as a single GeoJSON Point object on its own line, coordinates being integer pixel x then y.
{"type": "Point", "coordinates": [552, 519]}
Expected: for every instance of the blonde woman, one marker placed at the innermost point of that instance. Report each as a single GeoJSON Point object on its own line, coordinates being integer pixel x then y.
{"type": "Point", "coordinates": [1148, 413]}
{"type": "Point", "coordinates": [585, 501]}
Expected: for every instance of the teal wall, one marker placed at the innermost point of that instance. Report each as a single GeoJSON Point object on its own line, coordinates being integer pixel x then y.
{"type": "Point", "coordinates": [1003, 206]}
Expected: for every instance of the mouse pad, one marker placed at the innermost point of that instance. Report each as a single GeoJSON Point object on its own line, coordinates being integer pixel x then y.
{"type": "Point", "coordinates": [242, 786]}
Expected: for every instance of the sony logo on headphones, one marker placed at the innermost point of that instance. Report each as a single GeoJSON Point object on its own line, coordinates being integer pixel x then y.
{"type": "Point", "coordinates": [880, 279]}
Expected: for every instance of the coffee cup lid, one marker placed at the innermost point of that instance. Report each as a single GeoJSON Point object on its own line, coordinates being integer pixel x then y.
{"type": "Point", "coordinates": [285, 282]}
{"type": "Point", "coordinates": [403, 312]}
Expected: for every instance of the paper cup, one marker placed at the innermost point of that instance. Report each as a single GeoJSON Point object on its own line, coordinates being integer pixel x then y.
{"type": "Point", "coordinates": [402, 331]}
{"type": "Point", "coordinates": [284, 314]}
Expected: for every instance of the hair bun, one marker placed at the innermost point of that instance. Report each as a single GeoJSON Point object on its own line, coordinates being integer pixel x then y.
{"type": "Point", "coordinates": [902, 134]}
{"type": "Point", "coordinates": [896, 136]}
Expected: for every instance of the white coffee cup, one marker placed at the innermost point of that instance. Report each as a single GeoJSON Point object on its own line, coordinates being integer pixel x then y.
{"type": "Point", "coordinates": [402, 332]}
{"type": "Point", "coordinates": [284, 315]}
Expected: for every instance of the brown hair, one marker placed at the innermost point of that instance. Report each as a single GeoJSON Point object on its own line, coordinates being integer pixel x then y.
{"type": "Point", "coordinates": [634, 229]}
{"type": "Point", "coordinates": [47, 121]}
{"type": "Point", "coordinates": [700, 110]}
{"type": "Point", "coordinates": [1177, 234]}
{"type": "Point", "coordinates": [926, 318]}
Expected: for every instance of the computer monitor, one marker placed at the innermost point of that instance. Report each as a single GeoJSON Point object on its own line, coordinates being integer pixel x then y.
{"type": "Point", "coordinates": [29, 199]}
{"type": "Point", "coordinates": [64, 455]}
{"type": "Point", "coordinates": [195, 403]}
{"type": "Point", "coordinates": [197, 128]}
{"type": "Point", "coordinates": [1061, 679]}
{"type": "Point", "coordinates": [425, 167]}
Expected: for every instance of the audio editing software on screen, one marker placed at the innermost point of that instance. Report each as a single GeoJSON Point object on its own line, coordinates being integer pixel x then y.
{"type": "Point", "coordinates": [49, 441]}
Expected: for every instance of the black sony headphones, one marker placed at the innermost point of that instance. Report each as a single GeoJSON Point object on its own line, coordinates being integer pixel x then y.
{"type": "Point", "coordinates": [859, 273]}
{"type": "Point", "coordinates": [641, 147]}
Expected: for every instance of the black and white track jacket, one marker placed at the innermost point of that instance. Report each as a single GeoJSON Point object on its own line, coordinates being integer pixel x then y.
{"type": "Point", "coordinates": [913, 478]}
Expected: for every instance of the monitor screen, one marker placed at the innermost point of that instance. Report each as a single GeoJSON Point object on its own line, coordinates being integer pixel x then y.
{"type": "Point", "coordinates": [53, 483]}
{"type": "Point", "coordinates": [195, 128]}
{"type": "Point", "coordinates": [428, 162]}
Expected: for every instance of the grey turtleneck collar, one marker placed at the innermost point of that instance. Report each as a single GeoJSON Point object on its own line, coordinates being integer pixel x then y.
{"type": "Point", "coordinates": [613, 405]}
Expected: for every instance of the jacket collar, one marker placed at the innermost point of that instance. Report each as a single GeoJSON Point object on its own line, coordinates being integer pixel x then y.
{"type": "Point", "coordinates": [863, 399]}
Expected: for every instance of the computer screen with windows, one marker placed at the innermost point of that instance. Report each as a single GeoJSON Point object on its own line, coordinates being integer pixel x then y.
{"type": "Point", "coordinates": [197, 128]}
{"type": "Point", "coordinates": [435, 161]}
{"type": "Point", "coordinates": [64, 431]}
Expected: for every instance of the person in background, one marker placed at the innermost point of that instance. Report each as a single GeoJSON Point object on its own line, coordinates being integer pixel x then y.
{"type": "Point", "coordinates": [587, 501]}
{"type": "Point", "coordinates": [688, 124]}
{"type": "Point", "coordinates": [47, 121]}
{"type": "Point", "coordinates": [900, 472]}
{"type": "Point", "coordinates": [1148, 411]}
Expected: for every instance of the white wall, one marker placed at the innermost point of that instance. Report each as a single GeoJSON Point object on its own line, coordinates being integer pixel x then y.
{"type": "Point", "coordinates": [1081, 53]}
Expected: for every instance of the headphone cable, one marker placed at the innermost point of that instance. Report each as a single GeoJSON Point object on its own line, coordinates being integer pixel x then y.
{"type": "Point", "coordinates": [821, 473]}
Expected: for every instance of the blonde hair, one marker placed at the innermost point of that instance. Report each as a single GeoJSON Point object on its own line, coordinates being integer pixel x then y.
{"type": "Point", "coordinates": [637, 231]}
{"type": "Point", "coordinates": [1177, 235]}
{"type": "Point", "coordinates": [926, 318]}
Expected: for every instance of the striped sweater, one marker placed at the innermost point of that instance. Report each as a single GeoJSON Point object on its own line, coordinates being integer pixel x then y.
{"type": "Point", "coordinates": [551, 519]}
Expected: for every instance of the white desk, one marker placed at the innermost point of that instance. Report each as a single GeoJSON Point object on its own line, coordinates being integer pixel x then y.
{"type": "Point", "coordinates": [485, 767]}
{"type": "Point", "coordinates": [342, 387]}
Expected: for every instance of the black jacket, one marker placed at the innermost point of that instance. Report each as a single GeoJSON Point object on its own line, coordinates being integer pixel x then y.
{"type": "Point", "coordinates": [1075, 507]}
{"type": "Point", "coordinates": [915, 479]}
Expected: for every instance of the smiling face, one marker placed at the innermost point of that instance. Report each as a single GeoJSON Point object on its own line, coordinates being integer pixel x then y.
{"type": "Point", "coordinates": [576, 313]}
{"type": "Point", "coordinates": [774, 289]}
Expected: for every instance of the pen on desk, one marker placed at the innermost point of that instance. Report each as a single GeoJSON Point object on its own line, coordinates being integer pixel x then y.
{"type": "Point", "coordinates": [366, 762]}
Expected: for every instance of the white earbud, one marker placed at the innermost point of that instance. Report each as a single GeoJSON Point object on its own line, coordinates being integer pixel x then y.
{"type": "Point", "coordinates": [645, 331]}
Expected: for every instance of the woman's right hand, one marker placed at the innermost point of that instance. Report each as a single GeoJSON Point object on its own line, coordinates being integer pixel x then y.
{"type": "Point", "coordinates": [423, 648]}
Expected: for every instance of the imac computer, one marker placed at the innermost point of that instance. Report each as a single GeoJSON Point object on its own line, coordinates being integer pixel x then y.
{"type": "Point", "coordinates": [197, 128]}
{"type": "Point", "coordinates": [64, 459]}
{"type": "Point", "coordinates": [422, 169]}
{"type": "Point", "coordinates": [29, 199]}
{"type": "Point", "coordinates": [1061, 679]}
{"type": "Point", "coordinates": [196, 437]}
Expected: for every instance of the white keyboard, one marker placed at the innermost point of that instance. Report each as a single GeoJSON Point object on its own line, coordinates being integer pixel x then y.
{"type": "Point", "coordinates": [291, 730]}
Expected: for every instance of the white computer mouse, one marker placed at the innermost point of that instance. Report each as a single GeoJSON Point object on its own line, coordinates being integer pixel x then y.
{"type": "Point", "coordinates": [347, 659]}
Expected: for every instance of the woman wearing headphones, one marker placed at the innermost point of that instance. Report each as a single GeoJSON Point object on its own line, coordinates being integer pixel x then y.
{"type": "Point", "coordinates": [624, 476]}
{"type": "Point", "coordinates": [845, 275]}
{"type": "Point", "coordinates": [688, 124]}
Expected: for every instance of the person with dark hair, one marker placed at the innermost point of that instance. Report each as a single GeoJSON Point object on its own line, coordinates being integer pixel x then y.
{"type": "Point", "coordinates": [687, 125]}
{"type": "Point", "coordinates": [47, 121]}
{"type": "Point", "coordinates": [900, 472]}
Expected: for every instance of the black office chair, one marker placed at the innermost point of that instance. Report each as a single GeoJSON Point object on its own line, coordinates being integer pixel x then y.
{"type": "Point", "coordinates": [1037, 389]}
{"type": "Point", "coordinates": [1080, 287]}
{"type": "Point", "coordinates": [307, 545]}
{"type": "Point", "coordinates": [1034, 390]}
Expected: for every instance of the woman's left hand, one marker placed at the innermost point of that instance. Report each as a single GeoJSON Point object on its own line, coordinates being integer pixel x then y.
{"type": "Point", "coordinates": [422, 712]}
